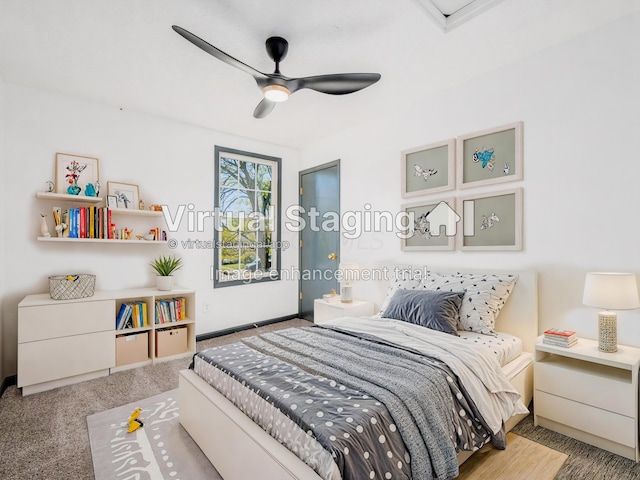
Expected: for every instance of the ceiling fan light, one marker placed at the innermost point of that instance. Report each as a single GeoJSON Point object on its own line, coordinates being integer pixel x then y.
{"type": "Point", "coordinates": [276, 93]}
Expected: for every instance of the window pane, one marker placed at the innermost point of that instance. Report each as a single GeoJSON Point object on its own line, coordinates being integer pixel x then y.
{"type": "Point", "coordinates": [264, 177]}
{"type": "Point", "coordinates": [228, 172]}
{"type": "Point", "coordinates": [247, 175]}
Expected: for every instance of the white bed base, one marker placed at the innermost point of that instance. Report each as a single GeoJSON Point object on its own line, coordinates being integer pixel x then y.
{"type": "Point", "coordinates": [240, 449]}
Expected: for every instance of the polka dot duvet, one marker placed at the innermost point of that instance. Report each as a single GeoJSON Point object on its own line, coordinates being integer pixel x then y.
{"type": "Point", "coordinates": [349, 404]}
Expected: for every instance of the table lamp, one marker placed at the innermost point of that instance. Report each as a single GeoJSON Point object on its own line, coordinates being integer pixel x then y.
{"type": "Point", "coordinates": [350, 273]}
{"type": "Point", "coordinates": [610, 291]}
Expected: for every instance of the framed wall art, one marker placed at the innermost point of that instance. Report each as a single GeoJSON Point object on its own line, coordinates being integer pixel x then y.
{"type": "Point", "coordinates": [491, 221]}
{"type": "Point", "coordinates": [127, 195]}
{"type": "Point", "coordinates": [490, 156]}
{"type": "Point", "coordinates": [428, 169]}
{"type": "Point", "coordinates": [432, 226]}
{"type": "Point", "coordinates": [74, 173]}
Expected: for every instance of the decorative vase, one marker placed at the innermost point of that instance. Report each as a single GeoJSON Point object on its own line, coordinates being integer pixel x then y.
{"type": "Point", "coordinates": [44, 228]}
{"type": "Point", "coordinates": [73, 189]}
{"type": "Point", "coordinates": [89, 190]}
{"type": "Point", "coordinates": [164, 283]}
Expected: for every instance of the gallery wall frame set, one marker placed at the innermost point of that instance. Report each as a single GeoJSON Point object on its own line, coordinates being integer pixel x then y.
{"type": "Point", "coordinates": [486, 220]}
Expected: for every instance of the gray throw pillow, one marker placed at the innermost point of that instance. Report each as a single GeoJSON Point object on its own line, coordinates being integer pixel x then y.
{"type": "Point", "coordinates": [431, 309]}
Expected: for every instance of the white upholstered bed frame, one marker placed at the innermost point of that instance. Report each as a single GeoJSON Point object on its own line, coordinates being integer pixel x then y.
{"type": "Point", "coordinates": [239, 449]}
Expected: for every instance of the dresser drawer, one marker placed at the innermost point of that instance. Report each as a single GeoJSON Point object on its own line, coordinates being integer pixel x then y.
{"type": "Point", "coordinates": [602, 423]}
{"type": "Point", "coordinates": [65, 319]}
{"type": "Point", "coordinates": [601, 386]}
{"type": "Point", "coordinates": [48, 360]}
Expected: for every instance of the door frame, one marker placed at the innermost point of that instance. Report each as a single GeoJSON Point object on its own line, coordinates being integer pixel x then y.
{"type": "Point", "coordinates": [307, 171]}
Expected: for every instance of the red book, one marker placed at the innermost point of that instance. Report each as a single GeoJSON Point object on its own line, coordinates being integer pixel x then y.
{"type": "Point", "coordinates": [83, 222]}
{"type": "Point", "coordinates": [559, 333]}
{"type": "Point", "coordinates": [111, 230]}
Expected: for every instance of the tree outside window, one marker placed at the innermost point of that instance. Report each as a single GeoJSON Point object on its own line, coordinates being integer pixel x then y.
{"type": "Point", "coordinates": [247, 195]}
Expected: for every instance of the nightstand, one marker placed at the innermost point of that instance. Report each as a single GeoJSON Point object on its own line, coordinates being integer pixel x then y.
{"type": "Point", "coordinates": [323, 311]}
{"type": "Point", "coordinates": [589, 395]}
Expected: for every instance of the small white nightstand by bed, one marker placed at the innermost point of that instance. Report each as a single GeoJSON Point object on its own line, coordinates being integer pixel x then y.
{"type": "Point", "coordinates": [323, 310]}
{"type": "Point", "coordinates": [589, 395]}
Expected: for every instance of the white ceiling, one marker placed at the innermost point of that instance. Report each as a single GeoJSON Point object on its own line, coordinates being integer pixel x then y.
{"type": "Point", "coordinates": [124, 53]}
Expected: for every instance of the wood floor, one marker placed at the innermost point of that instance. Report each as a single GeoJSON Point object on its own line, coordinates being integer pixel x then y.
{"type": "Point", "coordinates": [522, 460]}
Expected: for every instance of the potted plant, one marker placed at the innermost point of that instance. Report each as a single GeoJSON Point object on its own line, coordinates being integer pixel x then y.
{"type": "Point", "coordinates": [164, 267]}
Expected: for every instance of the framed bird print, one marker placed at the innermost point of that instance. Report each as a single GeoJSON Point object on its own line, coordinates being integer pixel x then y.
{"type": "Point", "coordinates": [490, 156]}
{"type": "Point", "coordinates": [491, 221]}
{"type": "Point", "coordinates": [428, 169]}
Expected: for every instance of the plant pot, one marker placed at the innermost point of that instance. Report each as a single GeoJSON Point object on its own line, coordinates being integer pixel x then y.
{"type": "Point", "coordinates": [164, 283]}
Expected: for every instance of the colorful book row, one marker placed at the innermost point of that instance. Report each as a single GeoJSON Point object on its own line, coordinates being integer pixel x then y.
{"type": "Point", "coordinates": [170, 310]}
{"type": "Point", "coordinates": [132, 315]}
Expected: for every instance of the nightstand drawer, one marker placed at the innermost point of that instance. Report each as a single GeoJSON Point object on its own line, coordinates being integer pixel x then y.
{"type": "Point", "coordinates": [604, 387]}
{"type": "Point", "coordinates": [601, 423]}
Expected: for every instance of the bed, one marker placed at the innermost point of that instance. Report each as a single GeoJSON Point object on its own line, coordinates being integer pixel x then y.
{"type": "Point", "coordinates": [240, 449]}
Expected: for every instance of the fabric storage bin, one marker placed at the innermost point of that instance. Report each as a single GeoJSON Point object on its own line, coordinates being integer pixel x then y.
{"type": "Point", "coordinates": [69, 287]}
{"type": "Point", "coordinates": [171, 341]}
{"type": "Point", "coordinates": [132, 348]}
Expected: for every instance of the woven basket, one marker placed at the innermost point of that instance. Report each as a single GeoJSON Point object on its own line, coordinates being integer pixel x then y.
{"type": "Point", "coordinates": [68, 287]}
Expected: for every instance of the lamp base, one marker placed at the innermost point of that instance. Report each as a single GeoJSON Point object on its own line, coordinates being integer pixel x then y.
{"type": "Point", "coordinates": [607, 332]}
{"type": "Point", "coordinates": [346, 294]}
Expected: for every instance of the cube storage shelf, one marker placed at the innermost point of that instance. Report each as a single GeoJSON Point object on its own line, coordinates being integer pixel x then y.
{"type": "Point", "coordinates": [67, 341]}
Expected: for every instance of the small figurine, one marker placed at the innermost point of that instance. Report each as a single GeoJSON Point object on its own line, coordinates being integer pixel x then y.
{"type": "Point", "coordinates": [50, 186]}
{"type": "Point", "coordinates": [126, 233]}
{"type": "Point", "coordinates": [97, 188]}
{"type": "Point", "coordinates": [133, 421]}
{"type": "Point", "coordinates": [60, 228]}
{"type": "Point", "coordinates": [89, 190]}
{"type": "Point", "coordinates": [141, 204]}
{"type": "Point", "coordinates": [44, 228]}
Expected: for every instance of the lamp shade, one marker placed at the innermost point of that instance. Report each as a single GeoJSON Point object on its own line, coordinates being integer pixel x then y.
{"type": "Point", "coordinates": [612, 291]}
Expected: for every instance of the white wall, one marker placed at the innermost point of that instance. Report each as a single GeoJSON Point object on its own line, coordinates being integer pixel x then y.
{"type": "Point", "coordinates": [173, 163]}
{"type": "Point", "coordinates": [579, 102]}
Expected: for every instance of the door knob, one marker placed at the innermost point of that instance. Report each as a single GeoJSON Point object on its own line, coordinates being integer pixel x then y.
{"type": "Point", "coordinates": [332, 256]}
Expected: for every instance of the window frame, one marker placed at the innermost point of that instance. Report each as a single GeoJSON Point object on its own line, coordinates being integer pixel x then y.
{"type": "Point", "coordinates": [248, 278]}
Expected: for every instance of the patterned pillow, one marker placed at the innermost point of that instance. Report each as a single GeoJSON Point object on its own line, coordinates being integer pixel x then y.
{"type": "Point", "coordinates": [485, 295]}
{"type": "Point", "coordinates": [404, 278]}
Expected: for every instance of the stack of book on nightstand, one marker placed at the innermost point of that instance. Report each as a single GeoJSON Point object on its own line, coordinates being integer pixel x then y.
{"type": "Point", "coordinates": [331, 297]}
{"type": "Point", "coordinates": [560, 338]}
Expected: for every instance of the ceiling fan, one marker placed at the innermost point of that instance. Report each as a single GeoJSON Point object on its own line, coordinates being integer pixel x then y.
{"type": "Point", "coordinates": [275, 86]}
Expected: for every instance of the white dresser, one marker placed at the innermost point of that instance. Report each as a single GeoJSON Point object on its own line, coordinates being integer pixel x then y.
{"type": "Point", "coordinates": [589, 395]}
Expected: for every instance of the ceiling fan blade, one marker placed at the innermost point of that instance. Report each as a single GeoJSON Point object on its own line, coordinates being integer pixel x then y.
{"type": "Point", "coordinates": [338, 83]}
{"type": "Point", "coordinates": [216, 52]}
{"type": "Point", "coordinates": [264, 108]}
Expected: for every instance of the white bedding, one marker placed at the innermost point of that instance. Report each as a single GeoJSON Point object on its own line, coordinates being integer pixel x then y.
{"type": "Point", "coordinates": [504, 346]}
{"type": "Point", "coordinates": [474, 364]}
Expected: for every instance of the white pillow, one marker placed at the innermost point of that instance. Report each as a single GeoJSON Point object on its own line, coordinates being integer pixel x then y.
{"type": "Point", "coordinates": [484, 297]}
{"type": "Point", "coordinates": [403, 278]}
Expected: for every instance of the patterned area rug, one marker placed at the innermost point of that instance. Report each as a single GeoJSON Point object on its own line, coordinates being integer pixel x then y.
{"type": "Point", "coordinates": [161, 449]}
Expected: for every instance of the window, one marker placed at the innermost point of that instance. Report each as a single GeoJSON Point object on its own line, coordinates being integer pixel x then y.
{"type": "Point", "coordinates": [247, 227]}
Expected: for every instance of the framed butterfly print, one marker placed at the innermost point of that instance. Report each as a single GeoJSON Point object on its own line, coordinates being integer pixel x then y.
{"type": "Point", "coordinates": [490, 156]}
{"type": "Point", "coordinates": [428, 169]}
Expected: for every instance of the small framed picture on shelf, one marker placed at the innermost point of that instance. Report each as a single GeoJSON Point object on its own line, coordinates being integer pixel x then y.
{"type": "Point", "coordinates": [76, 175]}
{"type": "Point", "coordinates": [127, 195]}
{"type": "Point", "coordinates": [112, 201]}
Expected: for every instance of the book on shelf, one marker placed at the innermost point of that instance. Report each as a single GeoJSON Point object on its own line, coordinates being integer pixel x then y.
{"type": "Point", "coordinates": [559, 333]}
{"type": "Point", "coordinates": [170, 310]}
{"type": "Point", "coordinates": [132, 315]}
{"type": "Point", "coordinates": [559, 343]}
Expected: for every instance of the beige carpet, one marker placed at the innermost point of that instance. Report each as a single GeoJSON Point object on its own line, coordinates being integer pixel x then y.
{"type": "Point", "coordinates": [522, 460]}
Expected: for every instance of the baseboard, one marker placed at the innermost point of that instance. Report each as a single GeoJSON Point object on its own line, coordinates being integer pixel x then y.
{"type": "Point", "coordinates": [8, 382]}
{"type": "Point", "coordinates": [227, 331]}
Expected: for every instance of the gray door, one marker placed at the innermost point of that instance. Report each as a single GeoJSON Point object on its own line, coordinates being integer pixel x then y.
{"type": "Point", "coordinates": [319, 247]}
